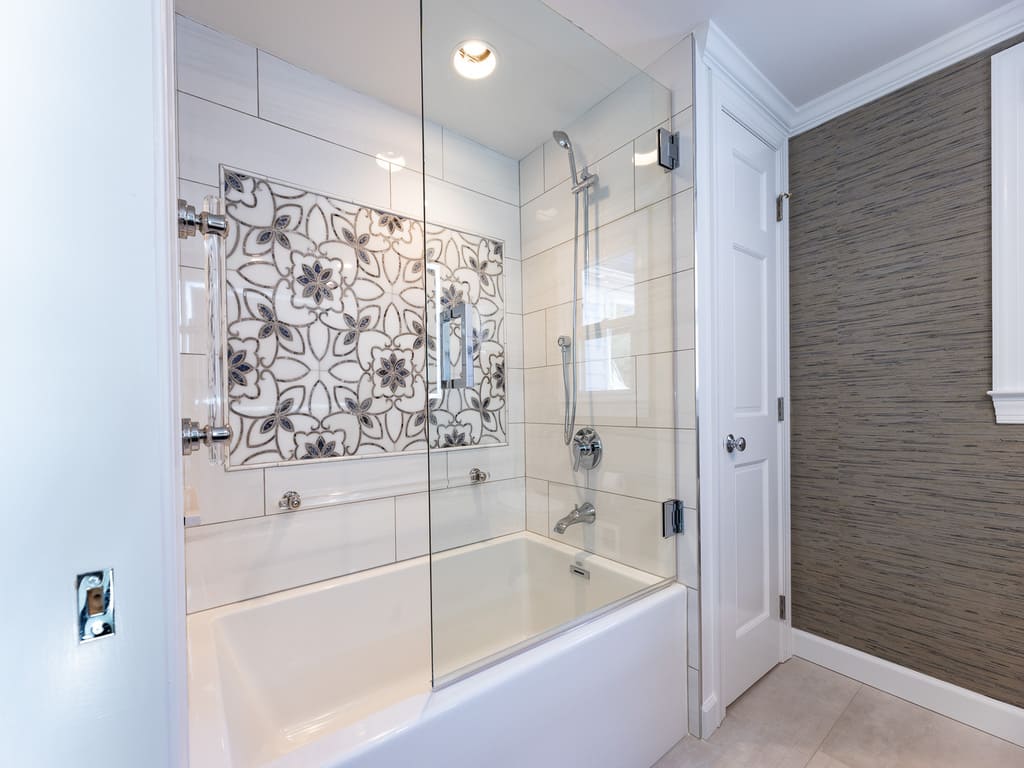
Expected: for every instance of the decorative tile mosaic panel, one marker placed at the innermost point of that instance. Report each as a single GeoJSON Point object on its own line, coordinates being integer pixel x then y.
{"type": "Point", "coordinates": [326, 344]}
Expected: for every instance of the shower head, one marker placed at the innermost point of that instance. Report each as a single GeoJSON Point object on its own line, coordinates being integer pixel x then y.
{"type": "Point", "coordinates": [562, 139]}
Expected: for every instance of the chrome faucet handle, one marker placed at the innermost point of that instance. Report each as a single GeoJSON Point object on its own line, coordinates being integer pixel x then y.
{"type": "Point", "coordinates": [586, 449]}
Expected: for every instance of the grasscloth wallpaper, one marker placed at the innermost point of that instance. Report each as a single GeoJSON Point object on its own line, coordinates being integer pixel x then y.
{"type": "Point", "coordinates": [907, 499]}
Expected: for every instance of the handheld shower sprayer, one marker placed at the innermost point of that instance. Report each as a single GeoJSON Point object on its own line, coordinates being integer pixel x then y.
{"type": "Point", "coordinates": [562, 139]}
{"type": "Point", "coordinates": [581, 184]}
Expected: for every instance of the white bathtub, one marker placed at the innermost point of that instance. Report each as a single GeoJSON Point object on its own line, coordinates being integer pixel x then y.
{"type": "Point", "coordinates": [338, 673]}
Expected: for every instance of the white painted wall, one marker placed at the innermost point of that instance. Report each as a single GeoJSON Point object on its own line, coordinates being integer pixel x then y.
{"type": "Point", "coordinates": [90, 475]}
{"type": "Point", "coordinates": [248, 109]}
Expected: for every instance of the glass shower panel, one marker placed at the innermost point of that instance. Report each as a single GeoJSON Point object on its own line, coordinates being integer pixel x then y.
{"type": "Point", "coordinates": [549, 315]}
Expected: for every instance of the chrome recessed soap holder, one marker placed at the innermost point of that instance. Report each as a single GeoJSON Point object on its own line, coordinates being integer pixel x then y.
{"type": "Point", "coordinates": [95, 604]}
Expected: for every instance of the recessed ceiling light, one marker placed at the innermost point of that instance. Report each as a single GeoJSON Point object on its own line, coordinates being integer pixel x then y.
{"type": "Point", "coordinates": [474, 59]}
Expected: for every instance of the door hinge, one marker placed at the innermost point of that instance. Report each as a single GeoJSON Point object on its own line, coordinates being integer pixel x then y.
{"type": "Point", "coordinates": [671, 518]}
{"type": "Point", "coordinates": [668, 149]}
{"type": "Point", "coordinates": [782, 408]}
{"type": "Point", "coordinates": [782, 607]}
{"type": "Point", "coordinates": [779, 203]}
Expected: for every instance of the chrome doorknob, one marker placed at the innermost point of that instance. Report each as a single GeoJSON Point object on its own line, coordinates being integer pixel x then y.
{"type": "Point", "coordinates": [733, 443]}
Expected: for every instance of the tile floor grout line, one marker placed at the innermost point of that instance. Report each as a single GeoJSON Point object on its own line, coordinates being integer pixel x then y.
{"type": "Point", "coordinates": [817, 749]}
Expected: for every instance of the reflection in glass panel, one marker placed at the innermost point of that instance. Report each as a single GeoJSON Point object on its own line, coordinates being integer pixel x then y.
{"type": "Point", "coordinates": [540, 152]}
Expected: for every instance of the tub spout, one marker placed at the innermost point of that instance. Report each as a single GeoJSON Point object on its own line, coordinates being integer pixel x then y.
{"type": "Point", "coordinates": [581, 513]}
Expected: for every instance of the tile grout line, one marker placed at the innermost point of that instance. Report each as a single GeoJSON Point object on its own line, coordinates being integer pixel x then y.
{"type": "Point", "coordinates": [817, 749]}
{"type": "Point", "coordinates": [257, 82]}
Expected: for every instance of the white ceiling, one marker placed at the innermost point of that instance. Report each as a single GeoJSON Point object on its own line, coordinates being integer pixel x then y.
{"type": "Point", "coordinates": [806, 48]}
{"type": "Point", "coordinates": [550, 67]}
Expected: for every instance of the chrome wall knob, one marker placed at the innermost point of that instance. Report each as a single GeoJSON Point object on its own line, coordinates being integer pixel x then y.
{"type": "Point", "coordinates": [733, 443]}
{"type": "Point", "coordinates": [290, 501]}
{"type": "Point", "coordinates": [477, 475]}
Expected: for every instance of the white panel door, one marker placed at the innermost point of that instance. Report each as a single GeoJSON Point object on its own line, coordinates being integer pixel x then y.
{"type": "Point", "coordinates": [746, 261]}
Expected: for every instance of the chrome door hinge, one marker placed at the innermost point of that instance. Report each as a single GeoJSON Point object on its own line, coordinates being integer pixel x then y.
{"type": "Point", "coordinates": [782, 408]}
{"type": "Point", "coordinates": [671, 518]}
{"type": "Point", "coordinates": [779, 203]}
{"type": "Point", "coordinates": [668, 149]}
{"type": "Point", "coordinates": [782, 607]}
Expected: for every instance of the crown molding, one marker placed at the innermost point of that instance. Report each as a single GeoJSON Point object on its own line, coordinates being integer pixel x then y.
{"type": "Point", "coordinates": [972, 38]}
{"type": "Point", "coordinates": [721, 54]}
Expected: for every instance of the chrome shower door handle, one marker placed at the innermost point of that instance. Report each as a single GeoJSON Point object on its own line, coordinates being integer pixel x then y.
{"type": "Point", "coordinates": [461, 311]}
{"type": "Point", "coordinates": [192, 436]}
{"type": "Point", "coordinates": [440, 342]}
{"type": "Point", "coordinates": [733, 443]}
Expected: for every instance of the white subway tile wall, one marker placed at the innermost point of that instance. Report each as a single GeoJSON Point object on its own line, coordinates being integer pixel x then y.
{"type": "Point", "coordinates": [234, 561]}
{"type": "Point", "coordinates": [412, 525]}
{"type": "Point", "coordinates": [637, 324]}
{"type": "Point", "coordinates": [635, 314]}
{"type": "Point", "coordinates": [314, 105]}
{"type": "Point", "coordinates": [245, 108]}
{"type": "Point", "coordinates": [531, 175]}
{"type": "Point", "coordinates": [471, 513]}
{"type": "Point", "coordinates": [215, 67]}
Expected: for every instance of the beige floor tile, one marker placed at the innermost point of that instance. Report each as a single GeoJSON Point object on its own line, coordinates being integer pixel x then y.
{"type": "Point", "coordinates": [881, 731]}
{"type": "Point", "coordinates": [804, 716]}
{"type": "Point", "coordinates": [821, 760]}
{"type": "Point", "coordinates": [691, 752]}
{"type": "Point", "coordinates": [779, 723]}
{"type": "Point", "coordinates": [782, 720]}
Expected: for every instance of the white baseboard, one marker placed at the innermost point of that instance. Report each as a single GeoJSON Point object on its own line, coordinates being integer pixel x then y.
{"type": "Point", "coordinates": [973, 709]}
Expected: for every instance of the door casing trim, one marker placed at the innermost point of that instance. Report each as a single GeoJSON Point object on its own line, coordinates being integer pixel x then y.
{"type": "Point", "coordinates": [717, 93]}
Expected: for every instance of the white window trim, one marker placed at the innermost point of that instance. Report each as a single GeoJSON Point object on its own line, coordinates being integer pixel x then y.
{"type": "Point", "coordinates": [1008, 235]}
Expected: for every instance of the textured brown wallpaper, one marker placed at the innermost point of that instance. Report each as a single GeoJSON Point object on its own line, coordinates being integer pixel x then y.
{"type": "Point", "coordinates": [908, 500]}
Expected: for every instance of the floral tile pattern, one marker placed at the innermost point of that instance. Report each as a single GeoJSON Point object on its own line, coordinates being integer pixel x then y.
{"type": "Point", "coordinates": [326, 341]}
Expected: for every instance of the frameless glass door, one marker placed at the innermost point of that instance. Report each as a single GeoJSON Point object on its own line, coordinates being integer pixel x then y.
{"type": "Point", "coordinates": [548, 247]}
